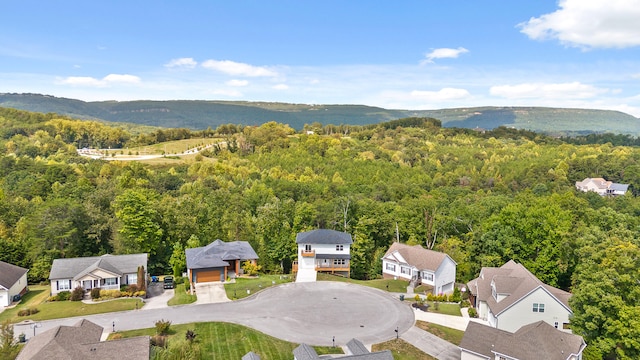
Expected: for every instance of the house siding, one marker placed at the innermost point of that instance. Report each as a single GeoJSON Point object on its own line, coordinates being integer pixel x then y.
{"type": "Point", "coordinates": [465, 355]}
{"type": "Point", "coordinates": [521, 313]}
{"type": "Point", "coordinates": [16, 289]}
{"type": "Point", "coordinates": [445, 277]}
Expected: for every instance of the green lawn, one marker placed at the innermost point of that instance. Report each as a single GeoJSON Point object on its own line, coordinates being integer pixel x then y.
{"type": "Point", "coordinates": [402, 350]}
{"type": "Point", "coordinates": [224, 341]}
{"type": "Point", "coordinates": [238, 290]}
{"type": "Point", "coordinates": [181, 297]}
{"type": "Point", "coordinates": [451, 335]}
{"type": "Point", "coordinates": [445, 308]}
{"type": "Point", "coordinates": [38, 295]}
{"type": "Point", "coordinates": [393, 285]}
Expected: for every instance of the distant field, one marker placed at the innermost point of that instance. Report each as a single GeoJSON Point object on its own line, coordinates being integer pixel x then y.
{"type": "Point", "coordinates": [167, 148]}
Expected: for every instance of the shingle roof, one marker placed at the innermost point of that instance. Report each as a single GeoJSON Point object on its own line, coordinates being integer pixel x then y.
{"type": "Point", "coordinates": [305, 352]}
{"type": "Point", "coordinates": [421, 258]}
{"type": "Point", "coordinates": [323, 236]}
{"type": "Point", "coordinates": [80, 342]}
{"type": "Point", "coordinates": [356, 347]}
{"type": "Point", "coordinates": [534, 341]}
{"type": "Point", "coordinates": [514, 281]}
{"type": "Point", "coordinates": [119, 264]}
{"type": "Point", "coordinates": [218, 253]}
{"type": "Point", "coordinates": [251, 356]}
{"type": "Point", "coordinates": [10, 274]}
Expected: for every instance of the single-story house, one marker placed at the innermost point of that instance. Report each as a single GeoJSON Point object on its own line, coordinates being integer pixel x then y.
{"type": "Point", "coordinates": [218, 261]}
{"type": "Point", "coordinates": [510, 297]}
{"type": "Point", "coordinates": [13, 281]}
{"type": "Point", "coordinates": [602, 187]}
{"type": "Point", "coordinates": [107, 272]}
{"type": "Point", "coordinates": [82, 341]}
{"type": "Point", "coordinates": [420, 266]}
{"type": "Point", "coordinates": [322, 250]}
{"type": "Point", "coordinates": [355, 350]}
{"type": "Point", "coordinates": [535, 341]}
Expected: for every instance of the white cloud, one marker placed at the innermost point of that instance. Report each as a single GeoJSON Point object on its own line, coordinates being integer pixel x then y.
{"type": "Point", "coordinates": [236, 82]}
{"type": "Point", "coordinates": [589, 24]}
{"type": "Point", "coordinates": [443, 53]}
{"type": "Point", "coordinates": [185, 63]}
{"type": "Point", "coordinates": [572, 90]}
{"type": "Point", "coordinates": [105, 81]}
{"type": "Point", "coordinates": [280, 87]}
{"type": "Point", "coordinates": [443, 94]}
{"type": "Point", "coordinates": [236, 68]}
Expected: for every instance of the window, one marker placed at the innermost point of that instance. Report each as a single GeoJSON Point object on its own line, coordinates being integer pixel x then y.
{"type": "Point", "coordinates": [538, 307]}
{"type": "Point", "coordinates": [427, 276]}
{"type": "Point", "coordinates": [566, 326]}
{"type": "Point", "coordinates": [307, 247]}
{"type": "Point", "coordinates": [339, 247]}
{"type": "Point", "coordinates": [111, 281]}
{"type": "Point", "coordinates": [339, 262]}
{"type": "Point", "coordinates": [132, 279]}
{"type": "Point", "coordinates": [405, 270]}
{"type": "Point", "coordinates": [64, 285]}
{"type": "Point", "coordinates": [555, 324]}
{"type": "Point", "coordinates": [390, 267]}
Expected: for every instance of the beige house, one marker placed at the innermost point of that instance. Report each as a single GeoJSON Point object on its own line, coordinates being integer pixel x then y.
{"type": "Point", "coordinates": [602, 187]}
{"type": "Point", "coordinates": [510, 297]}
{"type": "Point", "coordinates": [530, 342]}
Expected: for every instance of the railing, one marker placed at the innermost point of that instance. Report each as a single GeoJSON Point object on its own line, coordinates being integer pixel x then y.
{"type": "Point", "coordinates": [332, 267]}
{"type": "Point", "coordinates": [308, 253]}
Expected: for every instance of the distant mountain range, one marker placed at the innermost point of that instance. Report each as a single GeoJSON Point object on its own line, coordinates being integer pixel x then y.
{"type": "Point", "coordinates": [201, 114]}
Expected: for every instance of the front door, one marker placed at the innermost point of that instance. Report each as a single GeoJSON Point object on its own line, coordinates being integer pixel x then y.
{"type": "Point", "coordinates": [86, 284]}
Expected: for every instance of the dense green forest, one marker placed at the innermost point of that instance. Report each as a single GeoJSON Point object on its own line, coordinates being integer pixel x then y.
{"type": "Point", "coordinates": [481, 197]}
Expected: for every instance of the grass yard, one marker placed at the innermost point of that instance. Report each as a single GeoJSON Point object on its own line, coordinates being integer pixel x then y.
{"type": "Point", "coordinates": [402, 350]}
{"type": "Point", "coordinates": [181, 297]}
{"type": "Point", "coordinates": [238, 290]}
{"type": "Point", "coordinates": [451, 335]}
{"type": "Point", "coordinates": [445, 308]}
{"type": "Point", "coordinates": [382, 284]}
{"type": "Point", "coordinates": [38, 295]}
{"type": "Point", "coordinates": [225, 341]}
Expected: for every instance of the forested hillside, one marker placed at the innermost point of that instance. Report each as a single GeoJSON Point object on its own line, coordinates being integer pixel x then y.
{"type": "Point", "coordinates": [483, 198]}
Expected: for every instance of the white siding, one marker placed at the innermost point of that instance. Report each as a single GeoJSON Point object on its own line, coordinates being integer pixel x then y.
{"type": "Point", "coordinates": [445, 276]}
{"type": "Point", "coordinates": [521, 313]}
{"type": "Point", "coordinates": [4, 298]}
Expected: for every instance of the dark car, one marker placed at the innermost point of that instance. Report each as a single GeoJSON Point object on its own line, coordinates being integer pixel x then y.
{"type": "Point", "coordinates": [168, 282]}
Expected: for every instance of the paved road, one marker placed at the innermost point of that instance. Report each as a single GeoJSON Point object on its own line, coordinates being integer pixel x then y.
{"type": "Point", "coordinates": [311, 313]}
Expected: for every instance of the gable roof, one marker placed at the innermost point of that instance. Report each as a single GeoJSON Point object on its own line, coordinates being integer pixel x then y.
{"type": "Point", "coordinates": [218, 253]}
{"type": "Point", "coordinates": [324, 236]}
{"type": "Point", "coordinates": [538, 340]}
{"type": "Point", "coordinates": [514, 281]}
{"type": "Point", "coordinates": [75, 268]}
{"type": "Point", "coordinates": [10, 274]}
{"type": "Point", "coordinates": [251, 356]}
{"type": "Point", "coordinates": [357, 349]}
{"type": "Point", "coordinates": [82, 341]}
{"type": "Point", "coordinates": [421, 258]}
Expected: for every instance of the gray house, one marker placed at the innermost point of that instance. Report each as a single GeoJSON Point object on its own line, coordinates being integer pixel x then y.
{"type": "Point", "coordinates": [107, 272]}
{"type": "Point", "coordinates": [218, 260]}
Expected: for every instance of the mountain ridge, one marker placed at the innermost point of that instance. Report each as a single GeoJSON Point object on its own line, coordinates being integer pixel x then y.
{"type": "Point", "coordinates": [202, 114]}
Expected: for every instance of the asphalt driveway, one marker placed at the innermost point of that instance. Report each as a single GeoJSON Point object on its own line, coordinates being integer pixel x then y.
{"type": "Point", "coordinates": [311, 313]}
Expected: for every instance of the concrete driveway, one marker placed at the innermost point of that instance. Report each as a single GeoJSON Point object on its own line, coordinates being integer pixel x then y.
{"type": "Point", "coordinates": [157, 297]}
{"type": "Point", "coordinates": [210, 293]}
{"type": "Point", "coordinates": [311, 313]}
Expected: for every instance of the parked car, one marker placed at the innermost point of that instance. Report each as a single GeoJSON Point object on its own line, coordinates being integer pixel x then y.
{"type": "Point", "coordinates": [168, 282]}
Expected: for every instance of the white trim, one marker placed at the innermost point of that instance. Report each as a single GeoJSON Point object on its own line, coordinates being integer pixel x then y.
{"type": "Point", "coordinates": [529, 293]}
{"type": "Point", "coordinates": [474, 353]}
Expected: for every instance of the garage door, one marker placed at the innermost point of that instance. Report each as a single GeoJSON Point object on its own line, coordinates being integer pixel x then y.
{"type": "Point", "coordinates": [207, 275]}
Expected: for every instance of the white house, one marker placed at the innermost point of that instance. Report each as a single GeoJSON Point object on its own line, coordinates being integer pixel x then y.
{"type": "Point", "coordinates": [420, 266]}
{"type": "Point", "coordinates": [510, 297]}
{"type": "Point", "coordinates": [530, 342]}
{"type": "Point", "coordinates": [107, 272]}
{"type": "Point", "coordinates": [13, 281]}
{"type": "Point", "coordinates": [322, 250]}
{"type": "Point", "coordinates": [602, 187]}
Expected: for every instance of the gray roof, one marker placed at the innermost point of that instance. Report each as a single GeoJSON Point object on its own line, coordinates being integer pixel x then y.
{"type": "Point", "coordinates": [357, 349]}
{"type": "Point", "coordinates": [534, 341]}
{"type": "Point", "coordinates": [323, 236]}
{"type": "Point", "coordinates": [619, 187]}
{"type": "Point", "coordinates": [74, 268]}
{"type": "Point", "coordinates": [10, 274]}
{"type": "Point", "coordinates": [82, 341]}
{"type": "Point", "coordinates": [305, 352]}
{"type": "Point", "coordinates": [251, 356]}
{"type": "Point", "coordinates": [218, 253]}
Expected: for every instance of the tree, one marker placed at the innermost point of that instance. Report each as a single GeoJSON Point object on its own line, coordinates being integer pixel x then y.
{"type": "Point", "coordinates": [9, 348]}
{"type": "Point", "coordinates": [178, 259]}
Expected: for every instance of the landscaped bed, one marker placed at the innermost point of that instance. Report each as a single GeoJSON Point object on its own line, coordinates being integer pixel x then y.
{"type": "Point", "coordinates": [245, 286]}
{"type": "Point", "coordinates": [402, 350]}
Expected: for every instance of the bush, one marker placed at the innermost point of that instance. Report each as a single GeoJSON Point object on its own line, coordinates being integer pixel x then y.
{"type": "Point", "coordinates": [28, 311]}
{"type": "Point", "coordinates": [77, 294]}
{"type": "Point", "coordinates": [159, 341]}
{"type": "Point", "coordinates": [95, 293]}
{"type": "Point", "coordinates": [116, 336]}
{"type": "Point", "coordinates": [162, 327]}
{"type": "Point", "coordinates": [473, 313]}
{"type": "Point", "coordinates": [132, 288]}
{"type": "Point", "coordinates": [465, 303]}
{"type": "Point", "coordinates": [63, 295]}
{"type": "Point", "coordinates": [141, 293]}
{"type": "Point", "coordinates": [456, 296]}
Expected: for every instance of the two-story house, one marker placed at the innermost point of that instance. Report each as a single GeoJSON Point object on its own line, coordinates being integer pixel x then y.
{"type": "Point", "coordinates": [322, 250]}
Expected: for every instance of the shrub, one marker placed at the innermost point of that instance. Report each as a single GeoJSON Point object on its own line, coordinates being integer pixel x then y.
{"type": "Point", "coordinates": [141, 293]}
{"type": "Point", "coordinates": [77, 294]}
{"type": "Point", "coordinates": [465, 303]}
{"type": "Point", "coordinates": [473, 313]}
{"type": "Point", "coordinates": [63, 295]}
{"type": "Point", "coordinates": [159, 341]}
{"type": "Point", "coordinates": [456, 296]}
{"type": "Point", "coordinates": [132, 288]}
{"type": "Point", "coordinates": [430, 297]}
{"type": "Point", "coordinates": [95, 293]}
{"type": "Point", "coordinates": [28, 311]}
{"type": "Point", "coordinates": [116, 336]}
{"type": "Point", "coordinates": [162, 327]}
{"type": "Point", "coordinates": [250, 268]}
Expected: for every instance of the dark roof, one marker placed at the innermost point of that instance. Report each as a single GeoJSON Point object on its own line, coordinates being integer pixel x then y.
{"type": "Point", "coordinates": [323, 236]}
{"type": "Point", "coordinates": [75, 268]}
{"type": "Point", "coordinates": [80, 342]}
{"type": "Point", "coordinates": [10, 274]}
{"type": "Point", "coordinates": [218, 253]}
{"type": "Point", "coordinates": [421, 258]}
{"type": "Point", "coordinates": [534, 341]}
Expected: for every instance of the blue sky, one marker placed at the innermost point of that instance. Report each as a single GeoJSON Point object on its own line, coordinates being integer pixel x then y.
{"type": "Point", "coordinates": [427, 54]}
